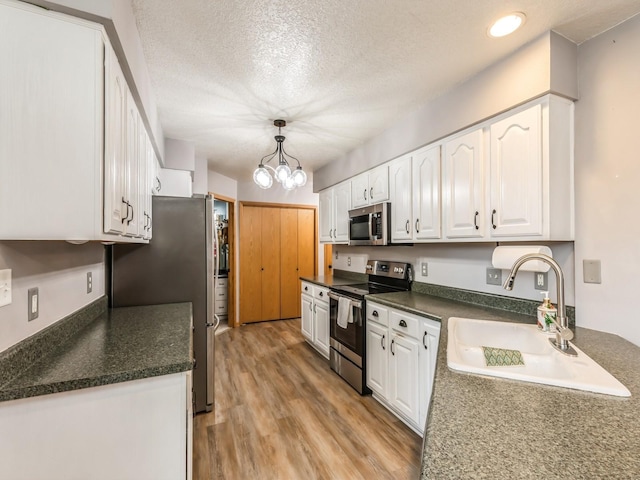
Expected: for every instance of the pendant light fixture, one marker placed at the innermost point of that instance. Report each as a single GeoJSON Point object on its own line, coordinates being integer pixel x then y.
{"type": "Point", "coordinates": [282, 173]}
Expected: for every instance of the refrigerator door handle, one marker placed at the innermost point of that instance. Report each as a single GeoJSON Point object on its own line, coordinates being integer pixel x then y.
{"type": "Point", "coordinates": [211, 338]}
{"type": "Point", "coordinates": [215, 324]}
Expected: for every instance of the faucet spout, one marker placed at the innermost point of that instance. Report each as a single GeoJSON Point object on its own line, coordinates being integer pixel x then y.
{"type": "Point", "coordinates": [563, 333]}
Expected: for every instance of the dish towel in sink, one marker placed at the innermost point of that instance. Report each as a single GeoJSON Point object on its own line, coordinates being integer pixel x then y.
{"type": "Point", "coordinates": [502, 357]}
{"type": "Point", "coordinates": [344, 312]}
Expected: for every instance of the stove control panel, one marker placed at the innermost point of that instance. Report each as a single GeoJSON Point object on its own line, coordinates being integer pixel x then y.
{"type": "Point", "coordinates": [389, 269]}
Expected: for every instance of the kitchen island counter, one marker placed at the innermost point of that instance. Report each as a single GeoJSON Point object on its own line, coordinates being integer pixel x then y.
{"type": "Point", "coordinates": [482, 427]}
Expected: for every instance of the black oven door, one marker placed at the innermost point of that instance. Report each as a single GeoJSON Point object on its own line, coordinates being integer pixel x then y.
{"type": "Point", "coordinates": [360, 229]}
{"type": "Point", "coordinates": [351, 337]}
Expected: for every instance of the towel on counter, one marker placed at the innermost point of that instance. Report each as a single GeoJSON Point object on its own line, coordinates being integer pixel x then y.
{"type": "Point", "coordinates": [344, 312]}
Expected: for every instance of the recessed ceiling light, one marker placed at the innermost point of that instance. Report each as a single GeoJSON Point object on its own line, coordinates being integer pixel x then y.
{"type": "Point", "coordinates": [506, 25]}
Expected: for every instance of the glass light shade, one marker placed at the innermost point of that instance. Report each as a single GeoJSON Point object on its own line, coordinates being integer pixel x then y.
{"type": "Point", "coordinates": [299, 177]}
{"type": "Point", "coordinates": [282, 172]}
{"type": "Point", "coordinates": [289, 183]}
{"type": "Point", "coordinates": [262, 178]}
{"type": "Point", "coordinates": [506, 25]}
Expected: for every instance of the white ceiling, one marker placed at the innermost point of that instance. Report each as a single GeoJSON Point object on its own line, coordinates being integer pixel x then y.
{"type": "Point", "coordinates": [338, 71]}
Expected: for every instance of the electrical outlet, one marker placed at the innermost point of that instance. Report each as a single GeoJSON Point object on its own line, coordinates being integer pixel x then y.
{"type": "Point", "coordinates": [424, 268]}
{"type": "Point", "coordinates": [5, 287]}
{"type": "Point", "coordinates": [494, 276]}
{"type": "Point", "coordinates": [348, 261]}
{"type": "Point", "coordinates": [541, 281]}
{"type": "Point", "coordinates": [89, 283]}
{"type": "Point", "coordinates": [33, 303]}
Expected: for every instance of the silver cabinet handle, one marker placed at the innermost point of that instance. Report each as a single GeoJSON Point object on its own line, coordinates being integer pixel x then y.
{"type": "Point", "coordinates": [475, 220]}
{"type": "Point", "coordinates": [402, 323]}
{"type": "Point", "coordinates": [417, 225]}
{"type": "Point", "coordinates": [382, 342]}
{"type": "Point", "coordinates": [330, 233]}
{"type": "Point", "coordinates": [424, 341]}
{"type": "Point", "coordinates": [334, 233]}
{"type": "Point", "coordinates": [310, 307]}
{"type": "Point", "coordinates": [314, 308]}
{"type": "Point", "coordinates": [365, 194]}
{"type": "Point", "coordinates": [375, 313]}
{"type": "Point", "coordinates": [371, 193]}
{"type": "Point", "coordinates": [392, 342]}
{"type": "Point", "coordinates": [321, 294]}
{"type": "Point", "coordinates": [493, 223]}
{"type": "Point", "coordinates": [406, 226]}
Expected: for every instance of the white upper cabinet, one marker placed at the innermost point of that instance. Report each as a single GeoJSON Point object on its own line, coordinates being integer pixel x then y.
{"type": "Point", "coordinates": [464, 186]}
{"type": "Point", "coordinates": [512, 178]}
{"type": "Point", "coordinates": [401, 199]}
{"type": "Point", "coordinates": [115, 166]}
{"type": "Point", "coordinates": [426, 193]}
{"type": "Point", "coordinates": [65, 165]}
{"type": "Point", "coordinates": [508, 178]}
{"type": "Point", "coordinates": [370, 187]}
{"type": "Point", "coordinates": [334, 206]}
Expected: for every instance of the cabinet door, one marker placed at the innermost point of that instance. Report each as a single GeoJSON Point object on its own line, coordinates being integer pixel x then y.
{"type": "Point", "coordinates": [325, 207]}
{"type": "Point", "coordinates": [403, 367]}
{"type": "Point", "coordinates": [464, 184]}
{"type": "Point", "coordinates": [306, 316]}
{"type": "Point", "coordinates": [428, 356]}
{"type": "Point", "coordinates": [426, 193]}
{"type": "Point", "coordinates": [131, 177]}
{"type": "Point", "coordinates": [516, 174]}
{"type": "Point", "coordinates": [270, 278]}
{"type": "Point", "coordinates": [379, 184]}
{"type": "Point", "coordinates": [321, 326]}
{"type": "Point", "coordinates": [342, 205]}
{"type": "Point", "coordinates": [250, 264]}
{"type": "Point", "coordinates": [360, 191]}
{"type": "Point", "coordinates": [377, 363]}
{"type": "Point", "coordinates": [141, 177]}
{"type": "Point", "coordinates": [115, 209]}
{"type": "Point", "coordinates": [400, 194]}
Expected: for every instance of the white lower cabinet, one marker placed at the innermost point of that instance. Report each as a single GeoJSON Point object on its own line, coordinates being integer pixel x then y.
{"type": "Point", "coordinates": [401, 358]}
{"type": "Point", "coordinates": [315, 316]}
{"type": "Point", "coordinates": [139, 429]}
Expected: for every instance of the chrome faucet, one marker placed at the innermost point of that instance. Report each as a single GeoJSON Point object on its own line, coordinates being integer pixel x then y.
{"type": "Point", "coordinates": [563, 333]}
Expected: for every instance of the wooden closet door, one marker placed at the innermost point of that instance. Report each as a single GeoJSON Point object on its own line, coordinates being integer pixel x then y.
{"type": "Point", "coordinates": [250, 264]}
{"type": "Point", "coordinates": [306, 244]}
{"type": "Point", "coordinates": [270, 248]}
{"type": "Point", "coordinates": [289, 283]}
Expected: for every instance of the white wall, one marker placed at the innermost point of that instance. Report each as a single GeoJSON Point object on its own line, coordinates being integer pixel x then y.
{"type": "Point", "coordinates": [607, 172]}
{"type": "Point", "coordinates": [522, 76]}
{"type": "Point", "coordinates": [460, 266]}
{"type": "Point", "coordinates": [59, 270]}
{"type": "Point", "coordinates": [201, 176]}
{"type": "Point", "coordinates": [221, 185]}
{"type": "Point", "coordinates": [179, 154]}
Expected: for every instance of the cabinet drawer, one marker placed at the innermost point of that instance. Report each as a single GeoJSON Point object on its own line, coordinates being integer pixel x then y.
{"type": "Point", "coordinates": [321, 293]}
{"type": "Point", "coordinates": [306, 288]}
{"type": "Point", "coordinates": [221, 307]}
{"type": "Point", "coordinates": [405, 323]}
{"type": "Point", "coordinates": [220, 294]}
{"type": "Point", "coordinates": [377, 313]}
{"type": "Point", "coordinates": [222, 282]}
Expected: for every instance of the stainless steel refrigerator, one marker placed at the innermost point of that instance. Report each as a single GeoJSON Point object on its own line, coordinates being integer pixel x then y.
{"type": "Point", "coordinates": [176, 266]}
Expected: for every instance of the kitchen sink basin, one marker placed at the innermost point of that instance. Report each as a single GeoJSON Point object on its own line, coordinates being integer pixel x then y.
{"type": "Point", "coordinates": [542, 363]}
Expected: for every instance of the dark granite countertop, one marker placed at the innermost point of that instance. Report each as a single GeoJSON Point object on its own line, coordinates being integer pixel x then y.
{"type": "Point", "coordinates": [482, 427]}
{"type": "Point", "coordinates": [332, 280]}
{"type": "Point", "coordinates": [117, 345]}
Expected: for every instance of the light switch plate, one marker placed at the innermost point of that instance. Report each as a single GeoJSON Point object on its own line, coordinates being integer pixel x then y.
{"type": "Point", "coordinates": [89, 282]}
{"type": "Point", "coordinates": [591, 271]}
{"type": "Point", "coordinates": [5, 287]}
{"type": "Point", "coordinates": [33, 303]}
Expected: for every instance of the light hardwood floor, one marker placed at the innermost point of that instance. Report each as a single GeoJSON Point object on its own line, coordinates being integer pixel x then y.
{"type": "Point", "coordinates": [281, 413]}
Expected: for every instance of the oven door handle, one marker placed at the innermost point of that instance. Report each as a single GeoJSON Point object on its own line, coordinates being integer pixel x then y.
{"type": "Point", "coordinates": [354, 303]}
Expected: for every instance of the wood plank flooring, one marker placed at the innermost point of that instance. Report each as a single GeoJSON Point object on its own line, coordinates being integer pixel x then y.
{"type": "Point", "coordinates": [281, 413]}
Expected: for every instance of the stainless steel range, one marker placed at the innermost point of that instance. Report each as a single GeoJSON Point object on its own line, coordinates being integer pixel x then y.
{"type": "Point", "coordinates": [347, 317]}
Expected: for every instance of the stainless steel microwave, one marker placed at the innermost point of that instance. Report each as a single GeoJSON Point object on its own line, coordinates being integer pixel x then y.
{"type": "Point", "coordinates": [370, 225]}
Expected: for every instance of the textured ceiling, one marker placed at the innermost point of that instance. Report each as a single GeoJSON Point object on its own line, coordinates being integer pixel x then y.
{"type": "Point", "coordinates": [338, 71]}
